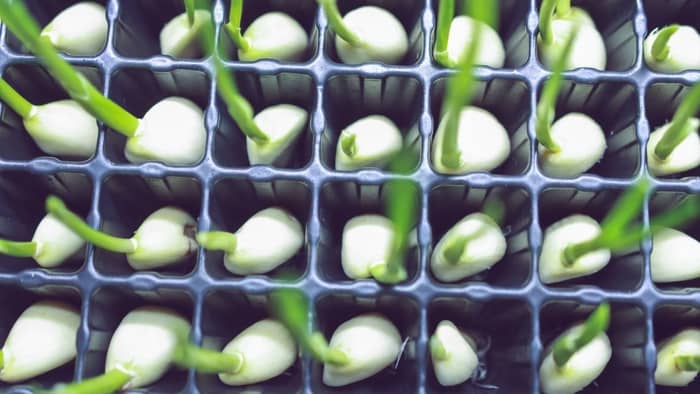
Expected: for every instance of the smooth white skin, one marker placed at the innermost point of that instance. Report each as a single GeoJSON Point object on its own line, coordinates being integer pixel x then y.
{"type": "Point", "coordinates": [675, 256]}
{"type": "Point", "coordinates": [588, 47]}
{"type": "Point", "coordinates": [371, 342]}
{"type": "Point", "coordinates": [483, 251]}
{"type": "Point", "coordinates": [384, 36]}
{"type": "Point", "coordinates": [377, 140]}
{"type": "Point", "coordinates": [42, 339]}
{"type": "Point", "coordinates": [367, 240]}
{"type": "Point", "coordinates": [275, 35]}
{"type": "Point", "coordinates": [179, 39]}
{"type": "Point", "coordinates": [684, 157]}
{"type": "Point", "coordinates": [172, 132]}
{"type": "Point", "coordinates": [461, 361]}
{"type": "Point", "coordinates": [680, 58]}
{"type": "Point", "coordinates": [685, 343]}
{"type": "Point", "coordinates": [582, 368]}
{"type": "Point", "coordinates": [56, 243]}
{"type": "Point", "coordinates": [268, 349]}
{"type": "Point", "coordinates": [264, 242]}
{"type": "Point", "coordinates": [491, 50]}
{"type": "Point", "coordinates": [582, 144]}
{"type": "Point", "coordinates": [162, 239]}
{"type": "Point", "coordinates": [483, 142]}
{"type": "Point", "coordinates": [63, 128]}
{"type": "Point", "coordinates": [144, 343]}
{"type": "Point", "coordinates": [79, 30]}
{"type": "Point", "coordinates": [570, 230]}
{"type": "Point", "coordinates": [282, 124]}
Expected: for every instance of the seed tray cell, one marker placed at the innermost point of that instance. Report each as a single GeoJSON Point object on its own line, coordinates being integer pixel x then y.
{"type": "Point", "coordinates": [508, 303]}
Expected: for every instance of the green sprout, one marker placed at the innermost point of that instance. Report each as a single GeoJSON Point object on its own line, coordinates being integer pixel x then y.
{"type": "Point", "coordinates": [660, 49]}
{"type": "Point", "coordinates": [108, 382]}
{"type": "Point", "coordinates": [688, 363]}
{"type": "Point", "coordinates": [681, 124]}
{"type": "Point", "coordinates": [566, 346]}
{"type": "Point", "coordinates": [190, 8]}
{"type": "Point", "coordinates": [335, 20]}
{"type": "Point", "coordinates": [233, 27]}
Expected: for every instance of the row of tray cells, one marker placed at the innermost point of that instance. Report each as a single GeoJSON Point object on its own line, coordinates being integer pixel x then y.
{"type": "Point", "coordinates": [138, 24]}
{"type": "Point", "coordinates": [348, 98]}
{"type": "Point", "coordinates": [126, 200]}
{"type": "Point", "coordinates": [502, 329]}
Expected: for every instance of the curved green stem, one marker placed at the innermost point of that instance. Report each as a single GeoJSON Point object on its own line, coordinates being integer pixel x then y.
{"type": "Point", "coordinates": [190, 8]}
{"type": "Point", "coordinates": [322, 352]}
{"type": "Point", "coordinates": [218, 240]}
{"type": "Point", "coordinates": [335, 20]}
{"type": "Point", "coordinates": [688, 363]}
{"type": "Point", "coordinates": [204, 360]}
{"type": "Point", "coordinates": [681, 124]}
{"type": "Point", "coordinates": [442, 32]}
{"type": "Point", "coordinates": [437, 349]}
{"type": "Point", "coordinates": [563, 8]}
{"type": "Point", "coordinates": [109, 382]}
{"type": "Point", "coordinates": [546, 16]}
{"type": "Point", "coordinates": [2, 360]}
{"type": "Point", "coordinates": [16, 101]}
{"type": "Point", "coordinates": [660, 49]}
{"type": "Point", "coordinates": [18, 249]}
{"type": "Point", "coordinates": [568, 345]}
{"type": "Point", "coordinates": [456, 248]}
{"type": "Point", "coordinates": [17, 18]}
{"type": "Point", "coordinates": [233, 27]}
{"type": "Point", "coordinates": [56, 207]}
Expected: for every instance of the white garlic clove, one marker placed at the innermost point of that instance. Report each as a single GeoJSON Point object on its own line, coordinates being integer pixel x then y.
{"type": "Point", "coordinates": [275, 35]}
{"type": "Point", "coordinates": [375, 141]}
{"type": "Point", "coordinates": [384, 37]}
{"type": "Point", "coordinates": [79, 30]}
{"type": "Point", "coordinates": [491, 51]}
{"type": "Point", "coordinates": [63, 128]}
{"type": "Point", "coordinates": [371, 343]}
{"type": "Point", "coordinates": [264, 242]}
{"type": "Point", "coordinates": [588, 47]}
{"type": "Point", "coordinates": [685, 343]}
{"type": "Point", "coordinates": [172, 132]}
{"type": "Point", "coordinates": [679, 57]}
{"type": "Point", "coordinates": [179, 39]}
{"type": "Point", "coordinates": [684, 157]}
{"type": "Point", "coordinates": [570, 230]}
{"type": "Point", "coordinates": [461, 361]}
{"type": "Point", "coordinates": [268, 350]}
{"type": "Point", "coordinates": [165, 237]}
{"type": "Point", "coordinates": [55, 242]}
{"type": "Point", "coordinates": [42, 339]}
{"type": "Point", "coordinates": [144, 344]}
{"type": "Point", "coordinates": [582, 144]}
{"type": "Point", "coordinates": [367, 240]}
{"type": "Point", "coordinates": [282, 124]}
{"type": "Point", "coordinates": [675, 256]}
{"type": "Point", "coordinates": [482, 141]}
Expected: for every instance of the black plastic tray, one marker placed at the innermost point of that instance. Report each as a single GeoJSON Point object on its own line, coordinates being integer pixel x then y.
{"type": "Point", "coordinates": [508, 303]}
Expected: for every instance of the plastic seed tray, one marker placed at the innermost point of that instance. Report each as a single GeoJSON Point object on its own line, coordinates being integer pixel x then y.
{"type": "Point", "coordinates": [508, 308]}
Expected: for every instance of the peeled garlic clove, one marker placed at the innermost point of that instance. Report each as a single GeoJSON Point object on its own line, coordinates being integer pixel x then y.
{"type": "Point", "coordinates": [172, 132]}
{"type": "Point", "coordinates": [684, 157]}
{"type": "Point", "coordinates": [144, 344]}
{"type": "Point", "coordinates": [482, 141]}
{"type": "Point", "coordinates": [582, 368]}
{"type": "Point", "coordinates": [165, 237]}
{"type": "Point", "coordinates": [570, 230]}
{"type": "Point", "coordinates": [588, 48]}
{"type": "Point", "coordinates": [42, 339]}
{"type": "Point", "coordinates": [367, 239]}
{"type": "Point", "coordinates": [582, 144]}
{"type": "Point", "coordinates": [371, 343]}
{"type": "Point", "coordinates": [384, 37]}
{"type": "Point", "coordinates": [461, 361]}
{"type": "Point", "coordinates": [179, 39]}
{"type": "Point", "coordinates": [265, 241]}
{"type": "Point", "coordinates": [275, 35]}
{"type": "Point", "coordinates": [675, 256]}
{"type": "Point", "coordinates": [491, 51]}
{"type": "Point", "coordinates": [685, 343]}
{"type": "Point", "coordinates": [679, 57]}
{"type": "Point", "coordinates": [268, 350]}
{"type": "Point", "coordinates": [55, 242]}
{"type": "Point", "coordinates": [486, 248]}
{"type": "Point", "coordinates": [79, 30]}
{"type": "Point", "coordinates": [282, 124]}
{"type": "Point", "coordinates": [375, 141]}
{"type": "Point", "coordinates": [63, 128]}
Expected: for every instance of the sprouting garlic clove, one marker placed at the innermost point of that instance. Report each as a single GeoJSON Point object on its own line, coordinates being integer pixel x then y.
{"type": "Point", "coordinates": [588, 48]}
{"type": "Point", "coordinates": [55, 242]}
{"type": "Point", "coordinates": [684, 157]}
{"type": "Point", "coordinates": [265, 241]}
{"type": "Point", "coordinates": [679, 57]}
{"type": "Point", "coordinates": [179, 39]}
{"type": "Point", "coordinates": [268, 350]}
{"type": "Point", "coordinates": [675, 256]}
{"type": "Point", "coordinates": [282, 124]}
{"type": "Point", "coordinates": [570, 230]}
{"type": "Point", "coordinates": [461, 360]}
{"type": "Point", "coordinates": [371, 342]}
{"type": "Point", "coordinates": [582, 144]}
{"type": "Point", "coordinates": [144, 344]}
{"type": "Point", "coordinates": [43, 338]}
{"type": "Point", "coordinates": [375, 140]}
{"type": "Point", "coordinates": [165, 237]}
{"type": "Point", "coordinates": [684, 343]}
{"type": "Point", "coordinates": [491, 51]}
{"type": "Point", "coordinates": [63, 128]}
{"type": "Point", "coordinates": [79, 30]}
{"type": "Point", "coordinates": [277, 36]}
{"type": "Point", "coordinates": [367, 240]}
{"type": "Point", "coordinates": [384, 37]}
{"type": "Point", "coordinates": [172, 132]}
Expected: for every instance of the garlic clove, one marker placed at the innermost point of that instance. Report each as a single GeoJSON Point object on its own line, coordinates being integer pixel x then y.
{"type": "Point", "coordinates": [461, 361]}
{"type": "Point", "coordinates": [367, 239]}
{"type": "Point", "coordinates": [384, 37]}
{"type": "Point", "coordinates": [179, 39]}
{"type": "Point", "coordinates": [165, 237]}
{"type": "Point", "coordinates": [268, 350]}
{"type": "Point", "coordinates": [588, 46]}
{"type": "Point", "coordinates": [375, 141]}
{"type": "Point", "coordinates": [570, 230]}
{"type": "Point", "coordinates": [684, 157]}
{"type": "Point", "coordinates": [675, 256]}
{"type": "Point", "coordinates": [491, 51]}
{"type": "Point", "coordinates": [679, 57]}
{"type": "Point", "coordinates": [686, 342]}
{"type": "Point", "coordinates": [55, 242]}
{"type": "Point", "coordinates": [79, 30]}
{"type": "Point", "coordinates": [282, 124]}
{"type": "Point", "coordinates": [275, 35]}
{"type": "Point", "coordinates": [63, 128]}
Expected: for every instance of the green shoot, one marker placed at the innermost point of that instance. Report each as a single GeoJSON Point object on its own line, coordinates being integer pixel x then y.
{"type": "Point", "coordinates": [2, 360]}
{"type": "Point", "coordinates": [442, 32]}
{"type": "Point", "coordinates": [291, 308]}
{"type": "Point", "coordinates": [218, 240]}
{"type": "Point", "coordinates": [109, 382]}
{"type": "Point", "coordinates": [17, 249]}
{"type": "Point", "coordinates": [16, 101]}
{"type": "Point", "coordinates": [681, 125]}
{"type": "Point", "coordinates": [57, 208]}
{"type": "Point", "coordinates": [568, 345]}
{"type": "Point", "coordinates": [563, 8]}
{"type": "Point", "coordinates": [17, 18]}
{"type": "Point", "coordinates": [660, 49]}
{"type": "Point", "coordinates": [688, 363]}
{"type": "Point", "coordinates": [204, 360]}
{"type": "Point", "coordinates": [190, 8]}
{"type": "Point", "coordinates": [335, 20]}
{"type": "Point", "coordinates": [348, 144]}
{"type": "Point", "coordinates": [233, 27]}
{"type": "Point", "coordinates": [546, 15]}
{"type": "Point", "coordinates": [437, 349]}
{"type": "Point", "coordinates": [455, 248]}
